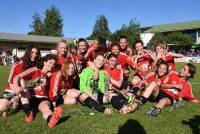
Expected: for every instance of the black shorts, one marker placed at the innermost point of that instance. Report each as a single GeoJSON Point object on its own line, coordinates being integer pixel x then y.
{"type": "Point", "coordinates": [100, 98]}
{"type": "Point", "coordinates": [139, 76]}
{"type": "Point", "coordinates": [161, 95]}
{"type": "Point", "coordinates": [35, 102]}
{"type": "Point", "coordinates": [59, 99]}
{"type": "Point", "coordinates": [76, 83]}
{"type": "Point", "coordinates": [125, 83]}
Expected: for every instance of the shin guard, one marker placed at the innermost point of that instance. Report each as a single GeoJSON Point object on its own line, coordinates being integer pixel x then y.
{"type": "Point", "coordinates": [117, 102]}
{"type": "Point", "coordinates": [94, 104]}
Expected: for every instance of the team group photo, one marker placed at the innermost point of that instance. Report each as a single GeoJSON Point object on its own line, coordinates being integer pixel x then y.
{"type": "Point", "coordinates": [58, 77]}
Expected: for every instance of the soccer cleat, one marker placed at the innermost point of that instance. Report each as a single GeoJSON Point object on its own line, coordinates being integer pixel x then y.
{"type": "Point", "coordinates": [57, 114]}
{"type": "Point", "coordinates": [176, 105]}
{"type": "Point", "coordinates": [150, 111]}
{"type": "Point", "coordinates": [30, 117]}
{"type": "Point", "coordinates": [135, 106]}
{"type": "Point", "coordinates": [153, 111]}
{"type": "Point", "coordinates": [125, 109]}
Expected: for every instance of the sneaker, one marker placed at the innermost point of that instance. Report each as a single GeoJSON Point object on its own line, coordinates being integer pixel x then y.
{"type": "Point", "coordinates": [176, 105]}
{"type": "Point", "coordinates": [125, 109]}
{"type": "Point", "coordinates": [154, 111]}
{"type": "Point", "coordinates": [135, 106]}
{"type": "Point", "coordinates": [30, 117]}
{"type": "Point", "coordinates": [150, 111]}
{"type": "Point", "coordinates": [55, 117]}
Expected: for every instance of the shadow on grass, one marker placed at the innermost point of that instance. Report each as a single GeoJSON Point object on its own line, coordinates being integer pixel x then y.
{"type": "Point", "coordinates": [131, 127]}
{"type": "Point", "coordinates": [63, 119]}
{"type": "Point", "coordinates": [194, 124]}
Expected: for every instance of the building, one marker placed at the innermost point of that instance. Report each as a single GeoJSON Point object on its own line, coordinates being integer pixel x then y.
{"type": "Point", "coordinates": [17, 43]}
{"type": "Point", "coordinates": [192, 28]}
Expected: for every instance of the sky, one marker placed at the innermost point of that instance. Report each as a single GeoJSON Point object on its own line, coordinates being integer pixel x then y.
{"type": "Point", "coordinates": [79, 16]}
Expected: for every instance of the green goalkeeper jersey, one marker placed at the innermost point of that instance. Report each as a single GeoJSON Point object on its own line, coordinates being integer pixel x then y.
{"type": "Point", "coordinates": [88, 84]}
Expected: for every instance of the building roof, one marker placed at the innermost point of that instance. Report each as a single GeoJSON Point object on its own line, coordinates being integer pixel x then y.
{"type": "Point", "coordinates": [31, 38]}
{"type": "Point", "coordinates": [175, 27]}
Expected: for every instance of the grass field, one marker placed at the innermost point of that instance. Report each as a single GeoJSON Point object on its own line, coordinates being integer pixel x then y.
{"type": "Point", "coordinates": [76, 118]}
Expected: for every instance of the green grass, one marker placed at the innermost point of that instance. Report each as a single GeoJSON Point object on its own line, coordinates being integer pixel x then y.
{"type": "Point", "coordinates": [184, 120]}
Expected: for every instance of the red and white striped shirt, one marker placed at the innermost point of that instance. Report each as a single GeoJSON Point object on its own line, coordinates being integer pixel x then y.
{"type": "Point", "coordinates": [57, 84]}
{"type": "Point", "coordinates": [144, 62]}
{"type": "Point", "coordinates": [16, 69]}
{"type": "Point", "coordinates": [37, 78]}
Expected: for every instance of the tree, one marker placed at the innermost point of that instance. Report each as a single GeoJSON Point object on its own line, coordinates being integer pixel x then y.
{"type": "Point", "coordinates": [131, 31]}
{"type": "Point", "coordinates": [37, 25]}
{"type": "Point", "coordinates": [158, 38]}
{"type": "Point", "coordinates": [52, 25]}
{"type": "Point", "coordinates": [179, 38]}
{"type": "Point", "coordinates": [53, 22]}
{"type": "Point", "coordinates": [101, 28]}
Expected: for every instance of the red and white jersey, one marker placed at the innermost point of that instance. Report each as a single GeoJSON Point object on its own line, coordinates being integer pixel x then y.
{"type": "Point", "coordinates": [36, 77]}
{"type": "Point", "coordinates": [128, 51]}
{"type": "Point", "coordinates": [79, 61]}
{"type": "Point", "coordinates": [144, 62]}
{"type": "Point", "coordinates": [8, 89]}
{"type": "Point", "coordinates": [170, 60]}
{"type": "Point", "coordinates": [124, 61]}
{"type": "Point", "coordinates": [186, 92]}
{"type": "Point", "coordinates": [151, 76]}
{"type": "Point", "coordinates": [16, 69]}
{"type": "Point", "coordinates": [92, 52]}
{"type": "Point", "coordinates": [116, 74]}
{"type": "Point", "coordinates": [59, 61]}
{"type": "Point", "coordinates": [57, 84]}
{"type": "Point", "coordinates": [172, 78]}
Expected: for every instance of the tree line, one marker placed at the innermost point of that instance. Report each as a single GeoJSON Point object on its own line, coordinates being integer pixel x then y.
{"type": "Point", "coordinates": [52, 25]}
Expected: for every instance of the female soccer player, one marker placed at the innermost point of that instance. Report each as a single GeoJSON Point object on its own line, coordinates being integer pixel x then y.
{"type": "Point", "coordinates": [94, 92]}
{"type": "Point", "coordinates": [62, 54]}
{"type": "Point", "coordinates": [62, 85]}
{"type": "Point", "coordinates": [166, 91]}
{"type": "Point", "coordinates": [162, 54]}
{"type": "Point", "coordinates": [144, 60]}
{"type": "Point", "coordinates": [30, 59]}
{"type": "Point", "coordinates": [124, 48]}
{"type": "Point", "coordinates": [35, 95]}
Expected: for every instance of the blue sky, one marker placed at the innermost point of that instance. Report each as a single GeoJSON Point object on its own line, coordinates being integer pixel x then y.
{"type": "Point", "coordinates": [79, 15]}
